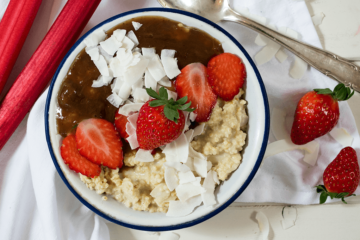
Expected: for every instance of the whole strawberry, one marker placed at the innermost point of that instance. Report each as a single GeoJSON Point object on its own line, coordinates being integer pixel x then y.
{"type": "Point", "coordinates": [341, 176]}
{"type": "Point", "coordinates": [160, 120]}
{"type": "Point", "coordinates": [317, 113]}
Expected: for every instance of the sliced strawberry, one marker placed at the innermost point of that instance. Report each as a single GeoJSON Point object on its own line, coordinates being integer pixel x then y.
{"type": "Point", "coordinates": [192, 83]}
{"type": "Point", "coordinates": [98, 141]}
{"type": "Point", "coordinates": [120, 124]}
{"type": "Point", "coordinates": [226, 75]}
{"type": "Point", "coordinates": [75, 161]}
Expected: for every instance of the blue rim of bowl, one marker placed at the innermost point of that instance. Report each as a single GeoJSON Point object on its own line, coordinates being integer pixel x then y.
{"type": "Point", "coordinates": [200, 219]}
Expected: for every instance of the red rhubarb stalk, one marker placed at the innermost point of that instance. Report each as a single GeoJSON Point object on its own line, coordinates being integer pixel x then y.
{"type": "Point", "coordinates": [43, 63]}
{"type": "Point", "coordinates": [14, 28]}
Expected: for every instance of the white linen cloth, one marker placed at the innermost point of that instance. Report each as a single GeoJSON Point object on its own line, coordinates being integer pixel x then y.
{"type": "Point", "coordinates": [36, 204]}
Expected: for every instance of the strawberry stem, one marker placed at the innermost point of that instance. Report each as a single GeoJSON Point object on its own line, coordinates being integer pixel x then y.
{"type": "Point", "coordinates": [324, 194]}
{"type": "Point", "coordinates": [340, 93]}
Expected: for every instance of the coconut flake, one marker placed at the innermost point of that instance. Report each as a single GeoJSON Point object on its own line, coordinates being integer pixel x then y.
{"type": "Point", "coordinates": [140, 95]}
{"type": "Point", "coordinates": [278, 124]}
{"type": "Point", "coordinates": [193, 116]}
{"type": "Point", "coordinates": [209, 165]}
{"type": "Point", "coordinates": [199, 129]}
{"type": "Point", "coordinates": [102, 66]}
{"type": "Point", "coordinates": [281, 55]}
{"type": "Point", "coordinates": [216, 178]}
{"type": "Point", "coordinates": [95, 37]}
{"type": "Point", "coordinates": [150, 81]}
{"type": "Point", "coordinates": [132, 139]}
{"type": "Point", "coordinates": [264, 225]}
{"type": "Point", "coordinates": [188, 190]}
{"type": "Point", "coordinates": [119, 34]}
{"type": "Point", "coordinates": [167, 53]}
{"type": "Point", "coordinates": [178, 166]}
{"type": "Point", "coordinates": [130, 129]}
{"type": "Point", "coordinates": [148, 52]}
{"type": "Point", "coordinates": [115, 100]}
{"type": "Point", "coordinates": [134, 73]}
{"type": "Point", "coordinates": [124, 91]}
{"type": "Point", "coordinates": [267, 53]}
{"type": "Point", "coordinates": [171, 94]}
{"type": "Point", "coordinates": [190, 163]}
{"type": "Point", "coordinates": [169, 236]}
{"type": "Point", "coordinates": [292, 33]}
{"type": "Point", "coordinates": [298, 69]}
{"type": "Point", "coordinates": [200, 166]}
{"type": "Point", "coordinates": [312, 154]}
{"type": "Point", "coordinates": [171, 178]}
{"type": "Point", "coordinates": [131, 35]}
{"type": "Point", "coordinates": [186, 177]}
{"type": "Point", "coordinates": [111, 45]}
{"type": "Point", "coordinates": [257, 18]}
{"type": "Point", "coordinates": [289, 215]}
{"type": "Point", "coordinates": [93, 52]}
{"type": "Point", "coordinates": [180, 209]}
{"type": "Point", "coordinates": [136, 25]}
{"type": "Point", "coordinates": [118, 82]}
{"type": "Point", "coordinates": [189, 135]}
{"type": "Point", "coordinates": [342, 136]}
{"type": "Point", "coordinates": [98, 83]}
{"type": "Point", "coordinates": [156, 69]}
{"type": "Point", "coordinates": [165, 82]}
{"type": "Point", "coordinates": [107, 56]}
{"type": "Point", "coordinates": [317, 19]}
{"type": "Point", "coordinates": [130, 107]}
{"type": "Point", "coordinates": [170, 66]}
{"type": "Point", "coordinates": [144, 156]}
{"type": "Point", "coordinates": [195, 154]}
{"type": "Point", "coordinates": [208, 197]}
{"type": "Point", "coordinates": [261, 40]}
{"type": "Point", "coordinates": [177, 150]}
{"type": "Point", "coordinates": [133, 119]}
{"type": "Point", "coordinates": [160, 193]}
{"type": "Point", "coordinates": [127, 43]}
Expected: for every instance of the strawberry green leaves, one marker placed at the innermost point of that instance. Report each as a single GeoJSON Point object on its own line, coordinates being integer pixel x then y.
{"type": "Point", "coordinates": [171, 106]}
{"type": "Point", "coordinates": [324, 194]}
{"type": "Point", "coordinates": [340, 93]}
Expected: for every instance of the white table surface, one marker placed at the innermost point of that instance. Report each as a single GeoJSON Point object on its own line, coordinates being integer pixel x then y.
{"type": "Point", "coordinates": [330, 221]}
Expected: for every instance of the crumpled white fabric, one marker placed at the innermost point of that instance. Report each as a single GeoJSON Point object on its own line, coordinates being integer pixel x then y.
{"type": "Point", "coordinates": [34, 202]}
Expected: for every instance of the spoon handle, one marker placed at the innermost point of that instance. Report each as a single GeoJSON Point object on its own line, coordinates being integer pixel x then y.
{"type": "Point", "coordinates": [330, 64]}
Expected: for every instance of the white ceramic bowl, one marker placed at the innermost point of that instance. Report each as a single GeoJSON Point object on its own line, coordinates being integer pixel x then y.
{"type": "Point", "coordinates": [228, 191]}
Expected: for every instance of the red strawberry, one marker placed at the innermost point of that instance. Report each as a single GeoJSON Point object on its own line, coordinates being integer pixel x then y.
{"type": "Point", "coordinates": [75, 161]}
{"type": "Point", "coordinates": [341, 177]}
{"type": "Point", "coordinates": [192, 82]}
{"type": "Point", "coordinates": [226, 75]}
{"type": "Point", "coordinates": [317, 113]}
{"type": "Point", "coordinates": [98, 141]}
{"type": "Point", "coordinates": [160, 120]}
{"type": "Point", "coordinates": [120, 124]}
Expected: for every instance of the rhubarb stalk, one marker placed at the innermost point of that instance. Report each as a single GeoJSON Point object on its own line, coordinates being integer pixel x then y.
{"type": "Point", "coordinates": [43, 63]}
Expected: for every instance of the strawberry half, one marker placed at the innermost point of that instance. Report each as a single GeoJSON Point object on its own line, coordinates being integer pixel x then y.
{"type": "Point", "coordinates": [75, 161]}
{"type": "Point", "coordinates": [192, 82]}
{"type": "Point", "coordinates": [120, 124]}
{"type": "Point", "coordinates": [226, 75]}
{"type": "Point", "coordinates": [98, 141]}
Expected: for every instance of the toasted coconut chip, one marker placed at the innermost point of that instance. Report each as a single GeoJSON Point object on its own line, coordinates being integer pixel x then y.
{"type": "Point", "coordinates": [111, 45]}
{"type": "Point", "coordinates": [156, 69]}
{"type": "Point", "coordinates": [136, 25]}
{"type": "Point", "coordinates": [209, 165]}
{"type": "Point", "coordinates": [136, 72]}
{"type": "Point", "coordinates": [133, 119]}
{"type": "Point", "coordinates": [130, 129]}
{"type": "Point", "coordinates": [170, 66]}
{"type": "Point", "coordinates": [102, 66]}
{"type": "Point", "coordinates": [278, 124]}
{"type": "Point", "coordinates": [95, 37]}
{"type": "Point", "coordinates": [171, 178]}
{"type": "Point", "coordinates": [216, 178]}
{"type": "Point", "coordinates": [189, 135]}
{"type": "Point", "coordinates": [119, 34]}
{"type": "Point", "coordinates": [264, 225]}
{"type": "Point", "coordinates": [188, 190]}
{"type": "Point", "coordinates": [167, 53]}
{"type": "Point", "coordinates": [298, 69]}
{"type": "Point", "coordinates": [289, 215]}
{"type": "Point", "coordinates": [342, 136]}
{"type": "Point", "coordinates": [178, 150]}
{"type": "Point", "coordinates": [124, 91]}
{"type": "Point", "coordinates": [199, 129]}
{"type": "Point", "coordinates": [150, 81]}
{"type": "Point", "coordinates": [130, 107]}
{"type": "Point", "coordinates": [169, 236]}
{"type": "Point", "coordinates": [178, 166]}
{"type": "Point", "coordinates": [144, 156]}
{"type": "Point", "coordinates": [311, 149]}
{"type": "Point", "coordinates": [133, 37]}
{"type": "Point", "coordinates": [98, 83]}
{"type": "Point", "coordinates": [127, 43]}
{"type": "Point", "coordinates": [317, 19]}
{"type": "Point", "coordinates": [165, 82]}
{"type": "Point", "coordinates": [195, 154]}
{"type": "Point", "coordinates": [93, 52]}
{"type": "Point", "coordinates": [140, 95]}
{"type": "Point", "coordinates": [148, 52]}
{"type": "Point", "coordinates": [172, 94]}
{"type": "Point", "coordinates": [160, 193]}
{"type": "Point", "coordinates": [115, 100]}
{"type": "Point", "coordinates": [200, 166]}
{"type": "Point", "coordinates": [193, 116]}
{"type": "Point", "coordinates": [186, 177]}
{"type": "Point", "coordinates": [132, 139]}
{"type": "Point", "coordinates": [208, 197]}
{"type": "Point", "coordinates": [116, 86]}
{"type": "Point", "coordinates": [179, 209]}
{"type": "Point", "coordinates": [281, 55]}
{"type": "Point", "coordinates": [267, 53]}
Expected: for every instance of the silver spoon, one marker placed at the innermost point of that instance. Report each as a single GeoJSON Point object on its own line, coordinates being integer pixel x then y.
{"type": "Point", "coordinates": [326, 62]}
